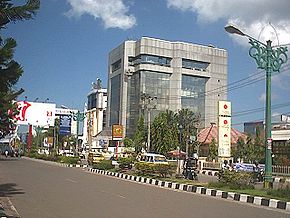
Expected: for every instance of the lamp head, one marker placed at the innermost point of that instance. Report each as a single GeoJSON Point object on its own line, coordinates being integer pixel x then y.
{"type": "Point", "coordinates": [233, 30]}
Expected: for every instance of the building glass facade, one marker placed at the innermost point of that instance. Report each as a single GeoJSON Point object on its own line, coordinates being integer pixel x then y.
{"type": "Point", "coordinates": [115, 99]}
{"type": "Point", "coordinates": [154, 84]}
{"type": "Point", "coordinates": [193, 94]}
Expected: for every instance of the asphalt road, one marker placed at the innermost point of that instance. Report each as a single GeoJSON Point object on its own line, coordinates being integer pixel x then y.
{"type": "Point", "coordinates": [42, 190]}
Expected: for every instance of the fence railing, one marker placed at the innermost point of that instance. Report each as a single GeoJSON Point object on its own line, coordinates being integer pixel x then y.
{"type": "Point", "coordinates": [281, 170]}
{"type": "Point", "coordinates": [276, 169]}
{"type": "Point", "coordinates": [211, 166]}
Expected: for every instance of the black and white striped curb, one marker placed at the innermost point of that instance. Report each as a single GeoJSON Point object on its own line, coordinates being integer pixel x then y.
{"type": "Point", "coordinates": [273, 203]}
{"type": "Point", "coordinates": [57, 163]}
{"type": "Point", "coordinates": [74, 165]}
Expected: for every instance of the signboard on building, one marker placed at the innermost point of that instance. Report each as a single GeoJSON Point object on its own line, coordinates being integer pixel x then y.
{"type": "Point", "coordinates": [35, 113]}
{"type": "Point", "coordinates": [117, 132]}
{"type": "Point", "coordinates": [224, 129]}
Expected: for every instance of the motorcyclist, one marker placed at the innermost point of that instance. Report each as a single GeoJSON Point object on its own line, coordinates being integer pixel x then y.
{"type": "Point", "coordinates": [189, 167]}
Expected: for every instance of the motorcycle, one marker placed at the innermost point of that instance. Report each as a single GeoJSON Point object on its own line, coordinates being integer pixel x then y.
{"type": "Point", "coordinates": [189, 169]}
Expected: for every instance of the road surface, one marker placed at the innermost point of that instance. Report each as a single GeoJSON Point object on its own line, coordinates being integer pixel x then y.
{"type": "Point", "coordinates": [42, 190]}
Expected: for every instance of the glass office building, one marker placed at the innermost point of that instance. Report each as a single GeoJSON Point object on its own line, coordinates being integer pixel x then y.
{"type": "Point", "coordinates": [174, 75]}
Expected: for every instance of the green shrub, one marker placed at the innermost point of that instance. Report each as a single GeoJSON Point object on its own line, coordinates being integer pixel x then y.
{"type": "Point", "coordinates": [104, 165]}
{"type": "Point", "coordinates": [162, 170]}
{"type": "Point", "coordinates": [69, 160]}
{"type": "Point", "coordinates": [125, 162]}
{"type": "Point", "coordinates": [236, 180]}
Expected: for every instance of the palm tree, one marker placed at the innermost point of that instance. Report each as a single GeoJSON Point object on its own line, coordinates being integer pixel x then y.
{"type": "Point", "coordinates": [10, 70]}
{"type": "Point", "coordinates": [11, 13]}
{"type": "Point", "coordinates": [189, 121]}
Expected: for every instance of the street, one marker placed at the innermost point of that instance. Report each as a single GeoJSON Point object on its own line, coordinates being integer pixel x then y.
{"type": "Point", "coordinates": [46, 190]}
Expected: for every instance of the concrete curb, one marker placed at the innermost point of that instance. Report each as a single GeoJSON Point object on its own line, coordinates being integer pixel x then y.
{"type": "Point", "coordinates": [261, 201]}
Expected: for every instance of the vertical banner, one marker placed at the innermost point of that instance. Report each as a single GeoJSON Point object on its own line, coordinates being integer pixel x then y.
{"type": "Point", "coordinates": [224, 129]}
{"type": "Point", "coordinates": [224, 137]}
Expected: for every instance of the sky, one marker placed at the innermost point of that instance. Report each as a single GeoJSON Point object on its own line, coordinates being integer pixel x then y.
{"type": "Point", "coordinates": [65, 47]}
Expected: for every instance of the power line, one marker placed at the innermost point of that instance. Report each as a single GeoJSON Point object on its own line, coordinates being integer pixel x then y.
{"type": "Point", "coordinates": [258, 120]}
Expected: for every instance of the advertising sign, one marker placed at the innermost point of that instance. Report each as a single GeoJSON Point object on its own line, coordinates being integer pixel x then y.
{"type": "Point", "coordinates": [64, 124]}
{"type": "Point", "coordinates": [117, 132]}
{"type": "Point", "coordinates": [225, 108]}
{"type": "Point", "coordinates": [35, 113]}
{"type": "Point", "coordinates": [224, 137]}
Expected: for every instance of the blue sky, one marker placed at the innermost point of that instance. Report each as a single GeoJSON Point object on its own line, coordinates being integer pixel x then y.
{"type": "Point", "coordinates": [65, 48]}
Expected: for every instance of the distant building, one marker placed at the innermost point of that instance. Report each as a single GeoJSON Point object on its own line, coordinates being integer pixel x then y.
{"type": "Point", "coordinates": [251, 128]}
{"type": "Point", "coordinates": [174, 75]}
{"type": "Point", "coordinates": [280, 135]}
{"type": "Point", "coordinates": [96, 114]}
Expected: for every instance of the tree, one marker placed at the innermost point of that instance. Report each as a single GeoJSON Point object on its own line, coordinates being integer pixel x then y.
{"type": "Point", "coordinates": [165, 132]}
{"type": "Point", "coordinates": [139, 138]}
{"type": "Point", "coordinates": [188, 120]}
{"type": "Point", "coordinates": [10, 70]}
{"type": "Point", "coordinates": [250, 150]}
{"type": "Point", "coordinates": [213, 150]}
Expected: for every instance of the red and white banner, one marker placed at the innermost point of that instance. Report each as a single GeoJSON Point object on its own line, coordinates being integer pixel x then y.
{"type": "Point", "coordinates": [224, 129]}
{"type": "Point", "coordinates": [35, 113]}
{"type": "Point", "coordinates": [224, 137]}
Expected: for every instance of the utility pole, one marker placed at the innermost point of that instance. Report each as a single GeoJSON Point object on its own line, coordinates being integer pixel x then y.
{"type": "Point", "coordinates": [148, 103]}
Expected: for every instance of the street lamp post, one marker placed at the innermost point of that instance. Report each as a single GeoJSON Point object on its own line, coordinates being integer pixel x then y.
{"type": "Point", "coordinates": [79, 116]}
{"type": "Point", "coordinates": [270, 60]}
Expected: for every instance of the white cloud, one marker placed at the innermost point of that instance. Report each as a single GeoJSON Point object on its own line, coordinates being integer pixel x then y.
{"type": "Point", "coordinates": [113, 13]}
{"type": "Point", "coordinates": [252, 17]}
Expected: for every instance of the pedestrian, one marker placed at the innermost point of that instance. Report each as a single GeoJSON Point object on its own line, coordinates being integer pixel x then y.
{"type": "Point", "coordinates": [6, 153]}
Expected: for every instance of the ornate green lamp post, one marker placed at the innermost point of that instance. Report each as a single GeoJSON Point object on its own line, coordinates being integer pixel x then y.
{"type": "Point", "coordinates": [79, 117]}
{"type": "Point", "coordinates": [270, 60]}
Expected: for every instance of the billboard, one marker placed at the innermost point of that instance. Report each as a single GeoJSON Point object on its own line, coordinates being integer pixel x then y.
{"type": "Point", "coordinates": [65, 124]}
{"type": "Point", "coordinates": [35, 113]}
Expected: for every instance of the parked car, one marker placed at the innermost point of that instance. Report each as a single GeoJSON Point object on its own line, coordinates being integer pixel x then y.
{"type": "Point", "coordinates": [95, 158]}
{"type": "Point", "coordinates": [153, 158]}
{"type": "Point", "coordinates": [68, 154]}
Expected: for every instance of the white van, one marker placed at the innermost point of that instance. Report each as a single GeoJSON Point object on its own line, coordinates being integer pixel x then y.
{"type": "Point", "coordinates": [153, 158]}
